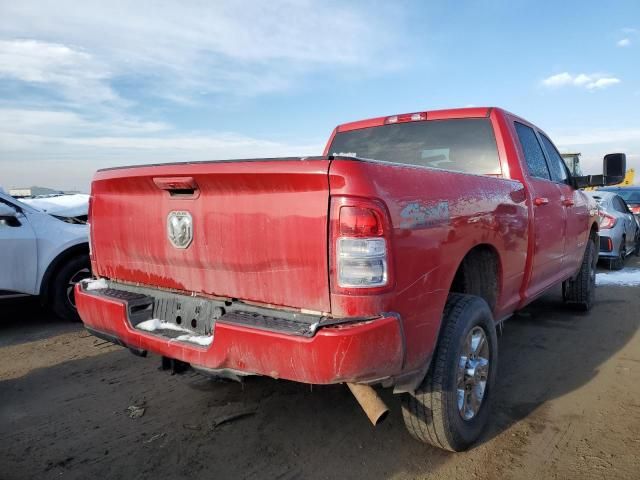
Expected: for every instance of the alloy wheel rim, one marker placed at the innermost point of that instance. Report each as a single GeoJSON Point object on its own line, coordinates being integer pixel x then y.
{"type": "Point", "coordinates": [473, 372]}
{"type": "Point", "coordinates": [75, 278]}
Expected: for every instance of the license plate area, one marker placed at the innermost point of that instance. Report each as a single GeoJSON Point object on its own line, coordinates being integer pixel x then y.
{"type": "Point", "coordinates": [177, 316]}
{"type": "Point", "coordinates": [196, 315]}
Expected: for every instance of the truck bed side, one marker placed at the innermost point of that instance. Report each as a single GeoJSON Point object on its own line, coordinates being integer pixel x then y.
{"type": "Point", "coordinates": [438, 217]}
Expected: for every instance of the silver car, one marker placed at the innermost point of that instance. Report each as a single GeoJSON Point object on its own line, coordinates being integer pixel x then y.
{"type": "Point", "coordinates": [619, 231]}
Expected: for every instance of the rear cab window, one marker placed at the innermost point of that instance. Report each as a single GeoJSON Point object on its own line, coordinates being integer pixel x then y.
{"type": "Point", "coordinates": [463, 145]}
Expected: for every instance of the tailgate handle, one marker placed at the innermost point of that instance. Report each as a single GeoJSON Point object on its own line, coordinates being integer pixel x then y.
{"type": "Point", "coordinates": [177, 186]}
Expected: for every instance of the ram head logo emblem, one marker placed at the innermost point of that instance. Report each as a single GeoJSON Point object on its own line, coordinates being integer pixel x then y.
{"type": "Point", "coordinates": [180, 229]}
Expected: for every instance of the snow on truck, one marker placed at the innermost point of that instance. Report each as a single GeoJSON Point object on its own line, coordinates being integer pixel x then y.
{"type": "Point", "coordinates": [388, 261]}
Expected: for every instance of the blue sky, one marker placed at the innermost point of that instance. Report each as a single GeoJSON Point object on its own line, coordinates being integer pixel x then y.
{"type": "Point", "coordinates": [85, 85]}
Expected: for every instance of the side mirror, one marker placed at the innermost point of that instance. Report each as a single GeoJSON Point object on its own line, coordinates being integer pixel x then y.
{"type": "Point", "coordinates": [7, 211]}
{"type": "Point", "coordinates": [614, 168]}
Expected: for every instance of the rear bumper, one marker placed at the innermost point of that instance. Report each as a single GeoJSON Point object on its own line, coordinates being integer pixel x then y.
{"type": "Point", "coordinates": [364, 351]}
{"type": "Point", "coordinates": [610, 242]}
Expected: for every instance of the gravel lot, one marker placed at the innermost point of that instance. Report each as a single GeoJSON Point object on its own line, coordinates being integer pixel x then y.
{"type": "Point", "coordinates": [567, 406]}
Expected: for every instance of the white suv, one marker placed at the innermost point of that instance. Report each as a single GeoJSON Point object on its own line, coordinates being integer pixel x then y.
{"type": "Point", "coordinates": [42, 254]}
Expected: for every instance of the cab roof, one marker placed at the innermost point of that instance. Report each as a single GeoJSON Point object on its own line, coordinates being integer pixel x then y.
{"type": "Point", "coordinates": [469, 112]}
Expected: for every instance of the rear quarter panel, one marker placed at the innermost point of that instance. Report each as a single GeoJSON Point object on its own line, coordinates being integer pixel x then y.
{"type": "Point", "coordinates": [437, 217]}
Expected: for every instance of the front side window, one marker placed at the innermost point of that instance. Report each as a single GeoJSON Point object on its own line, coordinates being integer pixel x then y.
{"type": "Point", "coordinates": [536, 163]}
{"type": "Point", "coordinates": [556, 164]}
{"type": "Point", "coordinates": [463, 145]}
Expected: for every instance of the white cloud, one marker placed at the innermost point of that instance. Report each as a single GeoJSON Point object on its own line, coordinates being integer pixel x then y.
{"type": "Point", "coordinates": [70, 162]}
{"type": "Point", "coordinates": [625, 42]}
{"type": "Point", "coordinates": [73, 73]}
{"type": "Point", "coordinates": [595, 143]}
{"type": "Point", "coordinates": [599, 136]}
{"type": "Point", "coordinates": [31, 121]}
{"type": "Point", "coordinates": [69, 147]}
{"type": "Point", "coordinates": [592, 81]}
{"type": "Point", "coordinates": [82, 76]}
{"type": "Point", "coordinates": [183, 50]}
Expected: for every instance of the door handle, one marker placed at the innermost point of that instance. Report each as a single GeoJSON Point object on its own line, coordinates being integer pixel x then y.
{"type": "Point", "coordinates": [568, 202]}
{"type": "Point", "coordinates": [539, 201]}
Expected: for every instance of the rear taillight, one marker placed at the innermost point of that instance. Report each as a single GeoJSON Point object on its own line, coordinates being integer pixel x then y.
{"type": "Point", "coordinates": [607, 221]}
{"type": "Point", "coordinates": [360, 244]}
{"type": "Point", "coordinates": [635, 210]}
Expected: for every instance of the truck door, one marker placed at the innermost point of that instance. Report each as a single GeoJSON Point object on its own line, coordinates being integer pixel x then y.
{"type": "Point", "coordinates": [18, 251]}
{"type": "Point", "coordinates": [546, 245]}
{"type": "Point", "coordinates": [575, 206]}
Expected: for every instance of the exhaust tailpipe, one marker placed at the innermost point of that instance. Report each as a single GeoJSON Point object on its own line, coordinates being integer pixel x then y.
{"type": "Point", "coordinates": [370, 402]}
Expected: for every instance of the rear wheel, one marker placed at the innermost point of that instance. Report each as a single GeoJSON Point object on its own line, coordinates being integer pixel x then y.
{"type": "Point", "coordinates": [451, 407]}
{"type": "Point", "coordinates": [618, 262]}
{"type": "Point", "coordinates": [636, 250]}
{"type": "Point", "coordinates": [63, 297]}
{"type": "Point", "coordinates": [581, 290]}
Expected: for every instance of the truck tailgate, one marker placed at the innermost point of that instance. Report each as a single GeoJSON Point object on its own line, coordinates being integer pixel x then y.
{"type": "Point", "coordinates": [259, 229]}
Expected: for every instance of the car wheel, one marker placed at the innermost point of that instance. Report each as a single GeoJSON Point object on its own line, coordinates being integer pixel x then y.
{"type": "Point", "coordinates": [581, 290]}
{"type": "Point", "coordinates": [618, 262]}
{"type": "Point", "coordinates": [450, 409]}
{"type": "Point", "coordinates": [63, 297]}
{"type": "Point", "coordinates": [636, 250]}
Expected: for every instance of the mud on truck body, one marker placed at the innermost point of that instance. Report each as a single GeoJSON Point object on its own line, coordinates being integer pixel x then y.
{"type": "Point", "coordinates": [388, 261]}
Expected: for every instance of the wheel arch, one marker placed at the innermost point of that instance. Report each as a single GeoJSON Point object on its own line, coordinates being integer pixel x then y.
{"type": "Point", "coordinates": [479, 273]}
{"type": "Point", "coordinates": [56, 264]}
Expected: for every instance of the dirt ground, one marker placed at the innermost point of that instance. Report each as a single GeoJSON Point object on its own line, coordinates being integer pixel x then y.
{"type": "Point", "coordinates": [567, 406]}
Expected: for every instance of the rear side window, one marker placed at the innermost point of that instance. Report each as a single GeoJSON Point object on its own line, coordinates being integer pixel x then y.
{"type": "Point", "coordinates": [463, 145]}
{"type": "Point", "coordinates": [556, 164]}
{"type": "Point", "coordinates": [533, 155]}
{"type": "Point", "coordinates": [619, 204]}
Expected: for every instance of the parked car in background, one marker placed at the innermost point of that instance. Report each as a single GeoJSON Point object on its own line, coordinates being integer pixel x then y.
{"type": "Point", "coordinates": [619, 231]}
{"type": "Point", "coordinates": [631, 195]}
{"type": "Point", "coordinates": [42, 254]}
{"type": "Point", "coordinates": [72, 208]}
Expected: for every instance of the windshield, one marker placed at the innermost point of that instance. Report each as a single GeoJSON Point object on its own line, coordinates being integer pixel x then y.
{"type": "Point", "coordinates": [463, 145]}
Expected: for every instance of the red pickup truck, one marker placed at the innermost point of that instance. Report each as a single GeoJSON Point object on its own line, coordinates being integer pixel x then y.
{"type": "Point", "coordinates": [388, 261]}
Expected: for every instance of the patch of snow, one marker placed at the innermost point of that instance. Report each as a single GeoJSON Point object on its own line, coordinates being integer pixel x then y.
{"type": "Point", "coordinates": [99, 284]}
{"type": "Point", "coordinates": [157, 324]}
{"type": "Point", "coordinates": [74, 205]}
{"type": "Point", "coordinates": [203, 340]}
{"type": "Point", "coordinates": [628, 277]}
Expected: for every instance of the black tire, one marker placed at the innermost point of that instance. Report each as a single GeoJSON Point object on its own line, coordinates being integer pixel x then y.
{"type": "Point", "coordinates": [581, 290]}
{"type": "Point", "coordinates": [431, 413]}
{"type": "Point", "coordinates": [636, 250]}
{"type": "Point", "coordinates": [62, 296]}
{"type": "Point", "coordinates": [618, 262]}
